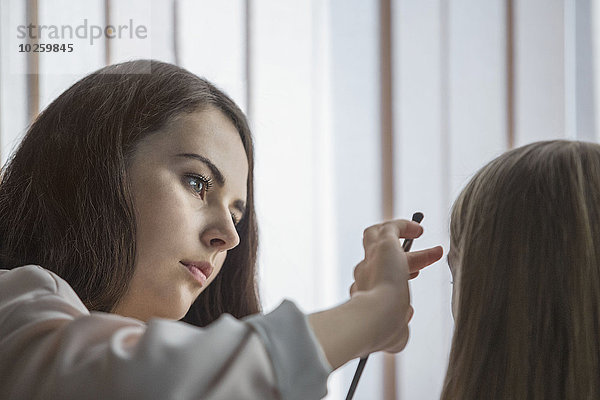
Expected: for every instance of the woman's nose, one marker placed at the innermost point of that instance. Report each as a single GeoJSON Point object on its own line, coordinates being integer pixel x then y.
{"type": "Point", "coordinates": [221, 234]}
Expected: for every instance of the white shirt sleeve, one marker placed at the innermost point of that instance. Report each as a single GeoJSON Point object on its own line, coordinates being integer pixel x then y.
{"type": "Point", "coordinates": [52, 347]}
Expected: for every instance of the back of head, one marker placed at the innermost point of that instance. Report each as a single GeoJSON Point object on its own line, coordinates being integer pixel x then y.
{"type": "Point", "coordinates": [524, 234]}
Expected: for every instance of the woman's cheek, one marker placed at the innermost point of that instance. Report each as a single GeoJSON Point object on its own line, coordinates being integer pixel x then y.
{"type": "Point", "coordinates": [218, 264]}
{"type": "Point", "coordinates": [219, 260]}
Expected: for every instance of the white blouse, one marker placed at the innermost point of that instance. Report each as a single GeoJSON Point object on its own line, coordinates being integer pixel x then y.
{"type": "Point", "coordinates": [53, 347]}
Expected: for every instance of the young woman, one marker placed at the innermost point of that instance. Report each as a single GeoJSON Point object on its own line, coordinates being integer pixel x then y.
{"type": "Point", "coordinates": [526, 267]}
{"type": "Point", "coordinates": [129, 205]}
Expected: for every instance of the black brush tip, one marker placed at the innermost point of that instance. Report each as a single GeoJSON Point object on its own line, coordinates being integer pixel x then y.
{"type": "Point", "coordinates": [418, 217]}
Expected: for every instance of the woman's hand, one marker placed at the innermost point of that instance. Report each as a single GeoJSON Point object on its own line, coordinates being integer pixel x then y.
{"type": "Point", "coordinates": [416, 260]}
{"type": "Point", "coordinates": [377, 315]}
{"type": "Point", "coordinates": [383, 275]}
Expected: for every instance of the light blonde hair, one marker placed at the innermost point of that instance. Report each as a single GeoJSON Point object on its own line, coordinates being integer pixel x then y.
{"type": "Point", "coordinates": [526, 232]}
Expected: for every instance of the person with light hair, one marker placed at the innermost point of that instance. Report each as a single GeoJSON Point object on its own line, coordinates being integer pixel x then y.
{"type": "Point", "coordinates": [525, 260]}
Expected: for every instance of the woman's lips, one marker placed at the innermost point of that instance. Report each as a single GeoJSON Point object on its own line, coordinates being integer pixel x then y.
{"type": "Point", "coordinates": [201, 271]}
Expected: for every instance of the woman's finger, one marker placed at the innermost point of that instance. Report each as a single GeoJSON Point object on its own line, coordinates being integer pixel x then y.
{"type": "Point", "coordinates": [418, 260]}
{"type": "Point", "coordinates": [398, 228]}
{"type": "Point", "coordinates": [358, 270]}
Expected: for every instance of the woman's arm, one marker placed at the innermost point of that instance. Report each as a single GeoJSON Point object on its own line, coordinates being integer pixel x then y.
{"type": "Point", "coordinates": [52, 347]}
{"type": "Point", "coordinates": [376, 317]}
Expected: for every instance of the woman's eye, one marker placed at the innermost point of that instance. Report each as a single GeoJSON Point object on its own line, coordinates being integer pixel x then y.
{"type": "Point", "coordinates": [235, 219]}
{"type": "Point", "coordinates": [198, 184]}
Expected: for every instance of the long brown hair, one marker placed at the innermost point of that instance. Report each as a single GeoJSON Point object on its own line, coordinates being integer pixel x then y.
{"type": "Point", "coordinates": [65, 201]}
{"type": "Point", "coordinates": [526, 234]}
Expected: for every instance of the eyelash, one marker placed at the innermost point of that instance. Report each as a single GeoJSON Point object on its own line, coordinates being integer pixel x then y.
{"type": "Point", "coordinates": [207, 184]}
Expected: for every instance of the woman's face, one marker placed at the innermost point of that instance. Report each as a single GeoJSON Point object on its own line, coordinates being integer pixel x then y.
{"type": "Point", "coordinates": [453, 263]}
{"type": "Point", "coordinates": [189, 188]}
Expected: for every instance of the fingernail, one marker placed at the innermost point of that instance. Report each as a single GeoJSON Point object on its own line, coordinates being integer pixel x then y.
{"type": "Point", "coordinates": [418, 227]}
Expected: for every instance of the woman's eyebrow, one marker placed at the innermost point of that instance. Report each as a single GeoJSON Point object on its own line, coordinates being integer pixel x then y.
{"type": "Point", "coordinates": [213, 168]}
{"type": "Point", "coordinates": [238, 204]}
